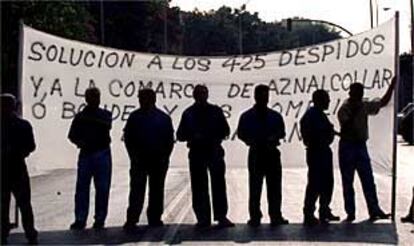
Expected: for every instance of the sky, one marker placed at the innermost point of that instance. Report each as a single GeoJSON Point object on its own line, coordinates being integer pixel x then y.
{"type": "Point", "coordinates": [353, 15]}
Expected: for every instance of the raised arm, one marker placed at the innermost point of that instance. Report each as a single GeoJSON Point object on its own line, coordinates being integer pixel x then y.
{"type": "Point", "coordinates": [387, 96]}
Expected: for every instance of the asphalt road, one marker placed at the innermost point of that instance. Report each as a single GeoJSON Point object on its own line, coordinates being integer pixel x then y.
{"type": "Point", "coordinates": [53, 203]}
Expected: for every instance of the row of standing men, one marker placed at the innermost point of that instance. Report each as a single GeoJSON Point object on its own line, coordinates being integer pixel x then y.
{"type": "Point", "coordinates": [149, 140]}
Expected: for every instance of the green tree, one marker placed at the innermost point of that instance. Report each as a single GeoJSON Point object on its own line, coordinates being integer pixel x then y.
{"type": "Point", "coordinates": [63, 18]}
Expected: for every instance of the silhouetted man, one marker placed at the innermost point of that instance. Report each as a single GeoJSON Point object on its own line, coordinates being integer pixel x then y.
{"type": "Point", "coordinates": [261, 128]}
{"type": "Point", "coordinates": [90, 132]}
{"type": "Point", "coordinates": [203, 126]}
{"type": "Point", "coordinates": [17, 142]}
{"type": "Point", "coordinates": [318, 133]}
{"type": "Point", "coordinates": [149, 139]}
{"type": "Point", "coordinates": [409, 218]}
{"type": "Point", "coordinates": [353, 153]}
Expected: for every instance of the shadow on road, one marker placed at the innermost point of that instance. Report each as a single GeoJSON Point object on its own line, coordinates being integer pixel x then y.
{"type": "Point", "coordinates": [364, 232]}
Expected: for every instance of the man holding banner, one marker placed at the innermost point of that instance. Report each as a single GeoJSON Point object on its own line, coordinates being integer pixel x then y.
{"type": "Point", "coordinates": [353, 153]}
{"type": "Point", "coordinates": [261, 129]}
{"type": "Point", "coordinates": [90, 133]}
{"type": "Point", "coordinates": [318, 134]}
{"type": "Point", "coordinates": [149, 140]}
{"type": "Point", "coordinates": [203, 126]}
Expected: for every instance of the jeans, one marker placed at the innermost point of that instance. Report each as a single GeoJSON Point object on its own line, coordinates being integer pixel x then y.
{"type": "Point", "coordinates": [98, 166]}
{"type": "Point", "coordinates": [354, 157]}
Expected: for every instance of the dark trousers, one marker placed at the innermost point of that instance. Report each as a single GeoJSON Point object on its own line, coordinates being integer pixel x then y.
{"type": "Point", "coordinates": [155, 172]}
{"type": "Point", "coordinates": [320, 181]}
{"type": "Point", "coordinates": [202, 161]}
{"type": "Point", "coordinates": [16, 182]}
{"type": "Point", "coordinates": [98, 166]}
{"type": "Point", "coordinates": [411, 210]}
{"type": "Point", "coordinates": [265, 163]}
{"type": "Point", "coordinates": [353, 157]}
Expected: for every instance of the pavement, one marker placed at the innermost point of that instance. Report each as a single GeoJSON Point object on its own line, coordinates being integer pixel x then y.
{"type": "Point", "coordinates": [53, 204]}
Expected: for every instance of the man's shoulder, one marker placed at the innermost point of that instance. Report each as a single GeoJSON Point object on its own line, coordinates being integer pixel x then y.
{"type": "Point", "coordinates": [162, 114]}
{"type": "Point", "coordinates": [189, 109]}
{"type": "Point", "coordinates": [22, 123]}
{"type": "Point", "coordinates": [105, 113]}
{"type": "Point", "coordinates": [274, 114]}
{"type": "Point", "coordinates": [215, 108]}
{"type": "Point", "coordinates": [248, 113]}
{"type": "Point", "coordinates": [308, 113]}
{"type": "Point", "coordinates": [344, 106]}
{"type": "Point", "coordinates": [135, 113]}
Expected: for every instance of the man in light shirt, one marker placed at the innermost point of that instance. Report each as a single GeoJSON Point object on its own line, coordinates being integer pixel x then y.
{"type": "Point", "coordinates": [353, 153]}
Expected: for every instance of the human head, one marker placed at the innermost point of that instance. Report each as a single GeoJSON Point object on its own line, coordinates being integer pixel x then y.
{"type": "Point", "coordinates": [93, 97]}
{"type": "Point", "coordinates": [146, 98]}
{"type": "Point", "coordinates": [321, 99]}
{"type": "Point", "coordinates": [356, 92]}
{"type": "Point", "coordinates": [8, 104]}
{"type": "Point", "coordinates": [200, 94]}
{"type": "Point", "coordinates": [261, 95]}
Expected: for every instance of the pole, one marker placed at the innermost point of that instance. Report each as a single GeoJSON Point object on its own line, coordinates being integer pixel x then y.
{"type": "Point", "coordinates": [394, 149]}
{"type": "Point", "coordinates": [240, 33]}
{"type": "Point", "coordinates": [412, 28]}
{"type": "Point", "coordinates": [102, 22]}
{"type": "Point", "coordinates": [376, 13]}
{"type": "Point", "coordinates": [371, 13]}
{"type": "Point", "coordinates": [19, 67]}
{"type": "Point", "coordinates": [165, 28]}
{"type": "Point", "coordinates": [19, 98]}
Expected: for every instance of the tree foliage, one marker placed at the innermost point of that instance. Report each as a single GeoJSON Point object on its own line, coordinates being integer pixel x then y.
{"type": "Point", "coordinates": [63, 18]}
{"type": "Point", "coordinates": [151, 26]}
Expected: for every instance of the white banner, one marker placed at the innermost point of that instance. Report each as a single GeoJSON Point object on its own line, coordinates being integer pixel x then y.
{"type": "Point", "coordinates": [56, 72]}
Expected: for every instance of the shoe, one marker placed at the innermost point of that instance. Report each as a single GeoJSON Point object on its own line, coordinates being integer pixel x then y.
{"type": "Point", "coordinates": [278, 221]}
{"type": "Point", "coordinates": [379, 216]}
{"type": "Point", "coordinates": [311, 221]}
{"type": "Point", "coordinates": [98, 225]}
{"type": "Point", "coordinates": [223, 223]}
{"type": "Point", "coordinates": [78, 226]}
{"type": "Point", "coordinates": [408, 219]}
{"type": "Point", "coordinates": [254, 222]}
{"type": "Point", "coordinates": [350, 218]}
{"type": "Point", "coordinates": [129, 226]}
{"type": "Point", "coordinates": [203, 224]}
{"type": "Point", "coordinates": [155, 223]}
{"type": "Point", "coordinates": [32, 241]}
{"type": "Point", "coordinates": [329, 217]}
{"type": "Point", "coordinates": [32, 237]}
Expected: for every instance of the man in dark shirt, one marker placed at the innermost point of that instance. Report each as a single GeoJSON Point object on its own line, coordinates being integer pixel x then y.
{"type": "Point", "coordinates": [149, 140]}
{"type": "Point", "coordinates": [261, 128]}
{"type": "Point", "coordinates": [318, 133]}
{"type": "Point", "coordinates": [17, 142]}
{"type": "Point", "coordinates": [203, 126]}
{"type": "Point", "coordinates": [90, 133]}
